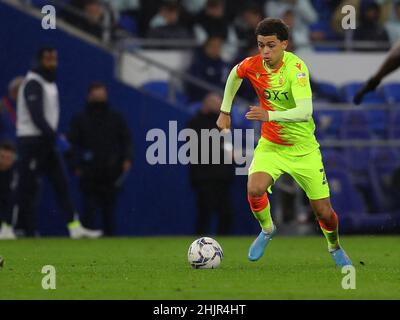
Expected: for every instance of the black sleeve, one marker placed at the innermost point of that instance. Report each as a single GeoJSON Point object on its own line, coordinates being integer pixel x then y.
{"type": "Point", "coordinates": [126, 140]}
{"type": "Point", "coordinates": [74, 132]}
{"type": "Point", "coordinates": [33, 94]}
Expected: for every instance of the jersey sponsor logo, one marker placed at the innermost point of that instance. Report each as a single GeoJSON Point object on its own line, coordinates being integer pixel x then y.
{"type": "Point", "coordinates": [276, 95]}
{"type": "Point", "coordinates": [298, 66]}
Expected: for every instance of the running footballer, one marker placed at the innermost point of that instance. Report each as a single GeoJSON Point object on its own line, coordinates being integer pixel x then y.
{"type": "Point", "coordinates": [287, 143]}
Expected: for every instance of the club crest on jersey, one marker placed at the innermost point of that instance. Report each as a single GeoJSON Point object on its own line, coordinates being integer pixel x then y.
{"type": "Point", "coordinates": [298, 66]}
{"type": "Point", "coordinates": [280, 81]}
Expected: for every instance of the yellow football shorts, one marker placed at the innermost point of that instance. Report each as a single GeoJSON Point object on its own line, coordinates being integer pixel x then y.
{"type": "Point", "coordinates": [308, 170]}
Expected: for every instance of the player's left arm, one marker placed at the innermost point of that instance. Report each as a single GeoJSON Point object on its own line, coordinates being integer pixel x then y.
{"type": "Point", "coordinates": [302, 95]}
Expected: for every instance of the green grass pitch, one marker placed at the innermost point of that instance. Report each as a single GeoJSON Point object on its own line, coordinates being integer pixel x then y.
{"type": "Point", "coordinates": [157, 268]}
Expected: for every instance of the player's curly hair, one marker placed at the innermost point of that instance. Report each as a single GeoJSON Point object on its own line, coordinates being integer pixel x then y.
{"type": "Point", "coordinates": [271, 27]}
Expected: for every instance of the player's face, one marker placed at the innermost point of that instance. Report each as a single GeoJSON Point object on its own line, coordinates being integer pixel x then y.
{"type": "Point", "coordinates": [49, 60]}
{"type": "Point", "coordinates": [271, 49]}
{"type": "Point", "coordinates": [98, 95]}
{"type": "Point", "coordinates": [6, 159]}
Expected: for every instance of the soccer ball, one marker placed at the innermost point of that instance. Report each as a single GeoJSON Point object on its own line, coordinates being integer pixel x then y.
{"type": "Point", "coordinates": [205, 253]}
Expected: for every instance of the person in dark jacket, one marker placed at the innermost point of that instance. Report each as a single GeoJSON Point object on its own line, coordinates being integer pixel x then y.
{"type": "Point", "coordinates": [166, 23]}
{"type": "Point", "coordinates": [212, 182]}
{"type": "Point", "coordinates": [102, 156]}
{"type": "Point", "coordinates": [370, 29]}
{"type": "Point", "coordinates": [208, 66]}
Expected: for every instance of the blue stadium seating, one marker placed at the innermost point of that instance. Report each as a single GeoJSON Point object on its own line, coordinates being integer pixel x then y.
{"type": "Point", "coordinates": [238, 118]}
{"type": "Point", "coordinates": [161, 89]}
{"type": "Point", "coordinates": [355, 125]}
{"type": "Point", "coordinates": [384, 162]}
{"type": "Point", "coordinates": [334, 160]}
{"type": "Point", "coordinates": [365, 124]}
{"type": "Point", "coordinates": [328, 123]}
{"type": "Point", "coordinates": [358, 160]}
{"type": "Point", "coordinates": [345, 198]}
{"type": "Point", "coordinates": [377, 122]}
{"type": "Point", "coordinates": [394, 125]}
{"type": "Point", "coordinates": [326, 91]}
{"type": "Point", "coordinates": [391, 92]}
{"type": "Point", "coordinates": [352, 210]}
{"type": "Point", "coordinates": [194, 107]}
{"type": "Point", "coordinates": [128, 23]}
{"type": "Point", "coordinates": [350, 89]}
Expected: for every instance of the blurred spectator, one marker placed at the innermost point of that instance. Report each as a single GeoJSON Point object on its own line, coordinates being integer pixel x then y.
{"type": "Point", "coordinates": [165, 24]}
{"type": "Point", "coordinates": [7, 189]}
{"type": "Point", "coordinates": [370, 28]}
{"type": "Point", "coordinates": [40, 146]}
{"type": "Point", "coordinates": [102, 152]}
{"type": "Point", "coordinates": [393, 24]}
{"type": "Point", "coordinates": [246, 23]}
{"type": "Point", "coordinates": [208, 65]}
{"type": "Point", "coordinates": [289, 18]}
{"type": "Point", "coordinates": [212, 22]}
{"type": "Point", "coordinates": [211, 182]}
{"type": "Point", "coordinates": [127, 13]}
{"type": "Point", "coordinates": [194, 6]}
{"type": "Point", "coordinates": [246, 90]}
{"type": "Point", "coordinates": [322, 29]}
{"type": "Point", "coordinates": [8, 107]}
{"type": "Point", "coordinates": [124, 5]}
{"type": "Point", "coordinates": [298, 14]}
{"type": "Point", "coordinates": [148, 8]}
{"type": "Point", "coordinates": [97, 18]}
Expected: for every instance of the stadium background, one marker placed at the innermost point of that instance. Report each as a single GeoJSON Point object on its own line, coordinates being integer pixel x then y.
{"type": "Point", "coordinates": [83, 59]}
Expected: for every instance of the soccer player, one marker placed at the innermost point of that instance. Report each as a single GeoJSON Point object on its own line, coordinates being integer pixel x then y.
{"type": "Point", "coordinates": [287, 143]}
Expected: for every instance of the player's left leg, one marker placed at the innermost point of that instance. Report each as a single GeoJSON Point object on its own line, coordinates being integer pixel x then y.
{"type": "Point", "coordinates": [309, 173]}
{"type": "Point", "coordinates": [329, 225]}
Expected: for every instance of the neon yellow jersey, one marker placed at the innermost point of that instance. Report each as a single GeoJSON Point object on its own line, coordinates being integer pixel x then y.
{"type": "Point", "coordinates": [286, 92]}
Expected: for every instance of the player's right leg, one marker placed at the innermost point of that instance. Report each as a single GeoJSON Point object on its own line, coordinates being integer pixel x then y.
{"type": "Point", "coordinates": [257, 185]}
{"type": "Point", "coordinates": [264, 170]}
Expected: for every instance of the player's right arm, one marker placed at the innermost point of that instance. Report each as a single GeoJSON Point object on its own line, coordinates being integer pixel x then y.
{"type": "Point", "coordinates": [232, 86]}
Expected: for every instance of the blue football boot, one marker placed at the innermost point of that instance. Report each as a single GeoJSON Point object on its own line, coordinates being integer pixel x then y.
{"type": "Point", "coordinates": [340, 257]}
{"type": "Point", "coordinates": [258, 246]}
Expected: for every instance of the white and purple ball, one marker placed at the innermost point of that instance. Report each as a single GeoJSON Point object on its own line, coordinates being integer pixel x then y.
{"type": "Point", "coordinates": [205, 253]}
